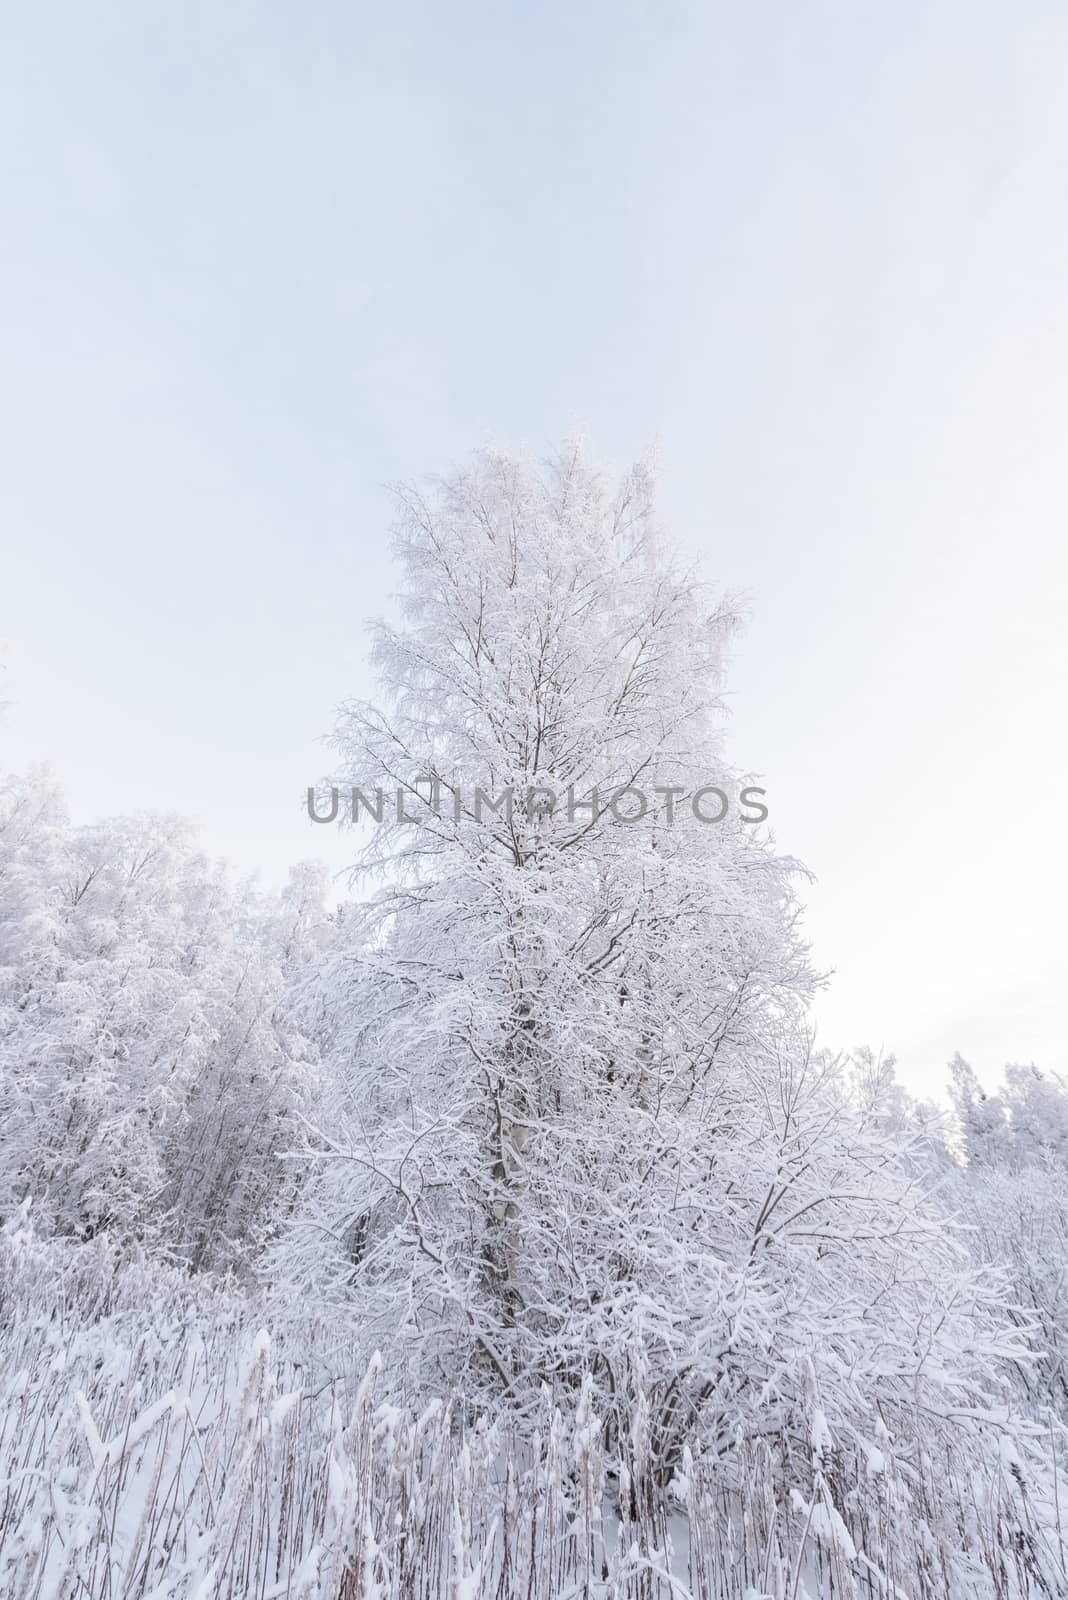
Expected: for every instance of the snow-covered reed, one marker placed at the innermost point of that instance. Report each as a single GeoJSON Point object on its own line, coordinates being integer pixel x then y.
{"type": "Point", "coordinates": [153, 1443]}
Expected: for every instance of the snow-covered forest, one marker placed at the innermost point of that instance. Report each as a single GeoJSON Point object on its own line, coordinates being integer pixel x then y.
{"type": "Point", "coordinates": [504, 1229]}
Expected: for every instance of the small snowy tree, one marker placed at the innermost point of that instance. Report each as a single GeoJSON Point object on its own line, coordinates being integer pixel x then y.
{"type": "Point", "coordinates": [1010, 1190]}
{"type": "Point", "coordinates": [150, 1070]}
{"type": "Point", "coordinates": [981, 1119]}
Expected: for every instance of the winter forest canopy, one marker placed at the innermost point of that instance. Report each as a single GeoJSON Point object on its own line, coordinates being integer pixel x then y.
{"type": "Point", "coordinates": [585, 1267]}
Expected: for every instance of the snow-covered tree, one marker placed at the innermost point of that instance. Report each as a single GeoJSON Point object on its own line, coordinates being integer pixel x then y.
{"type": "Point", "coordinates": [1011, 1191]}
{"type": "Point", "coordinates": [149, 1070]}
{"type": "Point", "coordinates": [577, 1125]}
{"type": "Point", "coordinates": [981, 1121]}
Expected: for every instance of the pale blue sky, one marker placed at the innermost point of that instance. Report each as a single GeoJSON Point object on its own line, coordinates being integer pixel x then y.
{"type": "Point", "coordinates": [258, 260]}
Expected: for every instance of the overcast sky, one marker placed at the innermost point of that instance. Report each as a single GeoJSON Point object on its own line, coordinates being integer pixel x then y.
{"type": "Point", "coordinates": [260, 260]}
